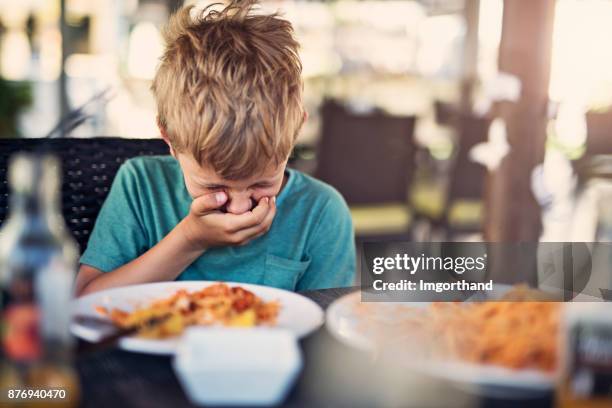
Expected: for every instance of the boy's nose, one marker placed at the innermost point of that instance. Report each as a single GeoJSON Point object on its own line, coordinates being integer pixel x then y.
{"type": "Point", "coordinates": [239, 204]}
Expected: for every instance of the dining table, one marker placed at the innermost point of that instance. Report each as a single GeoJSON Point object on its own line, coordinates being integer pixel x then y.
{"type": "Point", "coordinates": [333, 374]}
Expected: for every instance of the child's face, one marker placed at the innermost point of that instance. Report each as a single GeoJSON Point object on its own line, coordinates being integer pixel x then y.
{"type": "Point", "coordinates": [242, 195]}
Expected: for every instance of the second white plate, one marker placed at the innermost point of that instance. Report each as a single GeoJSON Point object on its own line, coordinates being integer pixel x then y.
{"type": "Point", "coordinates": [346, 324]}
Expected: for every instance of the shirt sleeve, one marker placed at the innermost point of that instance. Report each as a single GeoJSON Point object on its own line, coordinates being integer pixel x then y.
{"type": "Point", "coordinates": [118, 235]}
{"type": "Point", "coordinates": [331, 249]}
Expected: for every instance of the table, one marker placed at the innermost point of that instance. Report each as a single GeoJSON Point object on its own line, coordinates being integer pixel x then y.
{"type": "Point", "coordinates": [333, 375]}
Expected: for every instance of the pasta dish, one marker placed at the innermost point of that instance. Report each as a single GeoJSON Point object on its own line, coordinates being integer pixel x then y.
{"type": "Point", "coordinates": [519, 331]}
{"type": "Point", "coordinates": [217, 304]}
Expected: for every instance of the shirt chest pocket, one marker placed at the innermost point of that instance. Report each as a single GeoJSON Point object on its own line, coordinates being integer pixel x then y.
{"type": "Point", "coordinates": [284, 273]}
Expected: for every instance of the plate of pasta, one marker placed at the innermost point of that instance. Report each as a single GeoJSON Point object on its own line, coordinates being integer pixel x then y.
{"type": "Point", "coordinates": [156, 314]}
{"type": "Point", "coordinates": [512, 341]}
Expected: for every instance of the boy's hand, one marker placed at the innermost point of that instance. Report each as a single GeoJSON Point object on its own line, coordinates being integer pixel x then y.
{"type": "Point", "coordinates": [206, 226]}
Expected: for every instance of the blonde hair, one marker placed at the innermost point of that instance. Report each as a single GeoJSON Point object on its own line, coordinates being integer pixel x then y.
{"type": "Point", "coordinates": [229, 88]}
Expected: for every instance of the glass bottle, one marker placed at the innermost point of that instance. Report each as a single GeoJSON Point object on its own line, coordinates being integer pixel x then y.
{"type": "Point", "coordinates": [586, 380]}
{"type": "Point", "coordinates": [38, 260]}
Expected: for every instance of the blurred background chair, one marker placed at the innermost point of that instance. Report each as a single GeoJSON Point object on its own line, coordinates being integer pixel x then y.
{"type": "Point", "coordinates": [370, 158]}
{"type": "Point", "coordinates": [463, 213]}
{"type": "Point", "coordinates": [88, 166]}
{"type": "Point", "coordinates": [448, 198]}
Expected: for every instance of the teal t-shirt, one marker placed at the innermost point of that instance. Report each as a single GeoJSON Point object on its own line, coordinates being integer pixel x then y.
{"type": "Point", "coordinates": [309, 245]}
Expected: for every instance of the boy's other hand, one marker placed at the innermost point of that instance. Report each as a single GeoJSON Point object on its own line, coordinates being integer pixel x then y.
{"type": "Point", "coordinates": [206, 226]}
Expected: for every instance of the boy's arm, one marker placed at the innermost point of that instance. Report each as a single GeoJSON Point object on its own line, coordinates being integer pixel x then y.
{"type": "Point", "coordinates": [331, 250]}
{"type": "Point", "coordinates": [164, 262]}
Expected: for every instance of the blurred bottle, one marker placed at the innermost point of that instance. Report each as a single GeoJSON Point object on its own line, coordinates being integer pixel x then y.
{"type": "Point", "coordinates": [38, 260]}
{"type": "Point", "coordinates": [587, 356]}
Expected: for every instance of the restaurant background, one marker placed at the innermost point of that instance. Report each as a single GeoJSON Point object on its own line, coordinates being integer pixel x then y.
{"type": "Point", "coordinates": [436, 119]}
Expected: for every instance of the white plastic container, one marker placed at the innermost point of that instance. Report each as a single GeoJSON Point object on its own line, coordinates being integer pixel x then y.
{"type": "Point", "coordinates": [237, 366]}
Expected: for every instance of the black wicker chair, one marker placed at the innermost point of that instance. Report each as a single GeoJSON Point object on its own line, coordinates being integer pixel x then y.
{"type": "Point", "coordinates": [89, 167]}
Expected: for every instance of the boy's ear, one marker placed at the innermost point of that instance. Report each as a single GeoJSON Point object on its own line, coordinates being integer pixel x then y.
{"type": "Point", "coordinates": [164, 135]}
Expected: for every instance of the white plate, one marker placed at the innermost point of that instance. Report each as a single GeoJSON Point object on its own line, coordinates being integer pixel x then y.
{"type": "Point", "coordinates": [298, 314]}
{"type": "Point", "coordinates": [344, 324]}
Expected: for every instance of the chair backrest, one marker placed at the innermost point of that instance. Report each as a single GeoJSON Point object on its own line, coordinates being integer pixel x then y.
{"type": "Point", "coordinates": [89, 167]}
{"type": "Point", "coordinates": [369, 158]}
{"type": "Point", "coordinates": [467, 177]}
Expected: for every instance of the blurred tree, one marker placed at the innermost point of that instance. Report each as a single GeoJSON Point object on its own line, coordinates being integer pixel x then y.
{"type": "Point", "coordinates": [14, 96]}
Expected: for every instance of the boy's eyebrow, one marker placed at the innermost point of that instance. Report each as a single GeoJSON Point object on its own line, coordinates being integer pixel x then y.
{"type": "Point", "coordinates": [213, 185]}
{"type": "Point", "coordinates": [257, 183]}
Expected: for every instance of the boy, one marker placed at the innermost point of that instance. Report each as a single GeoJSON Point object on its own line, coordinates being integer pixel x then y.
{"type": "Point", "coordinates": [223, 206]}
